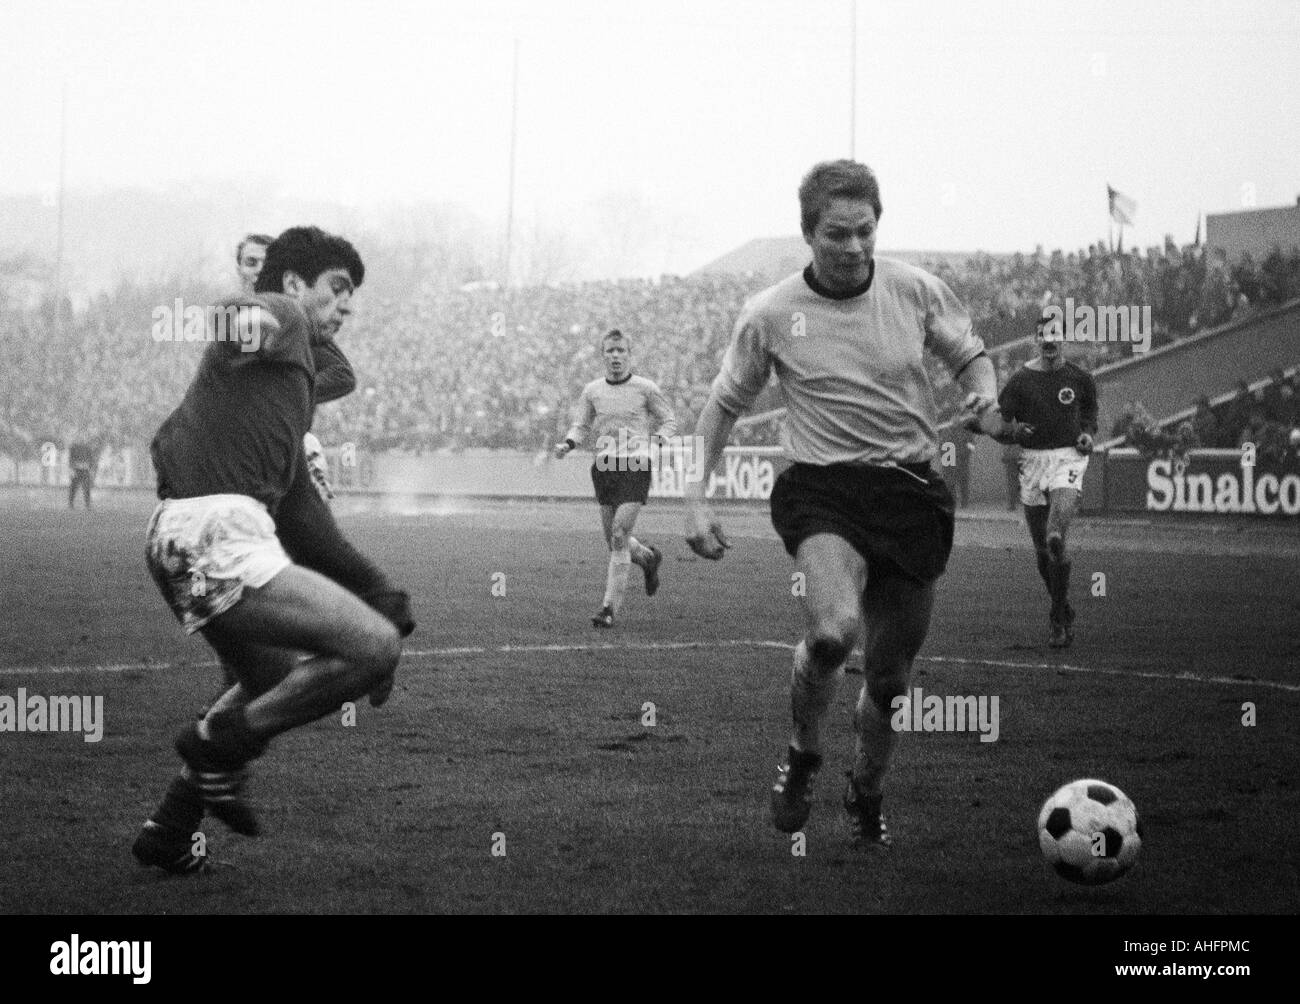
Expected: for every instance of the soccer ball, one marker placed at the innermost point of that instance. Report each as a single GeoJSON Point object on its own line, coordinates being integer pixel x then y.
{"type": "Point", "coordinates": [1089, 832]}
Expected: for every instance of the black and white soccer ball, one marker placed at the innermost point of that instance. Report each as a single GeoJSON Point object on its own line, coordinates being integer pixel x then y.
{"type": "Point", "coordinates": [1089, 832]}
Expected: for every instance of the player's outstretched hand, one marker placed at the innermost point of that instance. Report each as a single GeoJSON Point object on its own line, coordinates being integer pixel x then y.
{"type": "Point", "coordinates": [318, 465]}
{"type": "Point", "coordinates": [562, 450]}
{"type": "Point", "coordinates": [704, 533]}
{"type": "Point", "coordinates": [981, 414]}
{"type": "Point", "coordinates": [1084, 443]}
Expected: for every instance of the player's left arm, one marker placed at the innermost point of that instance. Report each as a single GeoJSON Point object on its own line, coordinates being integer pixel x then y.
{"type": "Point", "coordinates": [334, 375]}
{"type": "Point", "coordinates": [950, 336]}
{"type": "Point", "coordinates": [662, 416]}
{"type": "Point", "coordinates": [311, 537]}
{"type": "Point", "coordinates": [1088, 406]}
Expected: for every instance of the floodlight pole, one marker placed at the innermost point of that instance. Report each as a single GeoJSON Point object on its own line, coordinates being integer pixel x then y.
{"type": "Point", "coordinates": [510, 198]}
{"type": "Point", "coordinates": [853, 79]}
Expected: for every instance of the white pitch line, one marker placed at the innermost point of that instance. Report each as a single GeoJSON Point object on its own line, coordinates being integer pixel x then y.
{"type": "Point", "coordinates": [672, 646]}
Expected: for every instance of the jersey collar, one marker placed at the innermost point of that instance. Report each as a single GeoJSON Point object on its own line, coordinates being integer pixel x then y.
{"type": "Point", "coordinates": [615, 383]}
{"type": "Point", "coordinates": [811, 279]}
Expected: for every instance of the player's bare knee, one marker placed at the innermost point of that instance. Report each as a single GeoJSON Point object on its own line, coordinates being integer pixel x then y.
{"type": "Point", "coordinates": [377, 655]}
{"type": "Point", "coordinates": [618, 539]}
{"type": "Point", "coordinates": [831, 642]}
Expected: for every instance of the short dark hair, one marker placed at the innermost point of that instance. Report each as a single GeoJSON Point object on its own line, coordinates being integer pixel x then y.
{"type": "Point", "coordinates": [307, 251]}
{"type": "Point", "coordinates": [845, 179]}
{"type": "Point", "coordinates": [263, 239]}
{"type": "Point", "coordinates": [614, 335]}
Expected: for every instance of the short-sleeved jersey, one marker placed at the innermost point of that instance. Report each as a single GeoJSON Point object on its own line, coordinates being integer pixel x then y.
{"type": "Point", "coordinates": [851, 368]}
{"type": "Point", "coordinates": [1059, 404]}
{"type": "Point", "coordinates": [622, 416]}
{"type": "Point", "coordinates": [239, 428]}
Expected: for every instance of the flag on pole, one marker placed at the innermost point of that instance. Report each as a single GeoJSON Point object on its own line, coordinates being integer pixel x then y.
{"type": "Point", "coordinates": [1198, 230]}
{"type": "Point", "coordinates": [1122, 208]}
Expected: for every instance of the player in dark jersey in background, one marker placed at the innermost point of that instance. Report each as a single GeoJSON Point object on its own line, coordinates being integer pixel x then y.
{"type": "Point", "coordinates": [83, 457]}
{"type": "Point", "coordinates": [226, 459]}
{"type": "Point", "coordinates": [1057, 403]}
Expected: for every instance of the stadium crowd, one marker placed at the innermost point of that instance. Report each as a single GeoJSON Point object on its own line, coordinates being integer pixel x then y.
{"type": "Point", "coordinates": [485, 367]}
{"type": "Point", "coordinates": [1267, 416]}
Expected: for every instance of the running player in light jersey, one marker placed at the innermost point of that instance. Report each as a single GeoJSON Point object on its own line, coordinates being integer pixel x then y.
{"type": "Point", "coordinates": [867, 519]}
{"type": "Point", "coordinates": [630, 416]}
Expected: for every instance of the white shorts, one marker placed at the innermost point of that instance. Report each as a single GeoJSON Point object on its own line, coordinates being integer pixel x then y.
{"type": "Point", "coordinates": [204, 552]}
{"type": "Point", "coordinates": [1041, 471]}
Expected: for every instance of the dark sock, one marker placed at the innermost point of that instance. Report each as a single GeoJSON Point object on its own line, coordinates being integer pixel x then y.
{"type": "Point", "coordinates": [802, 762]}
{"type": "Point", "coordinates": [1043, 569]}
{"type": "Point", "coordinates": [229, 732]}
{"type": "Point", "coordinates": [181, 808]}
{"type": "Point", "coordinates": [1058, 586]}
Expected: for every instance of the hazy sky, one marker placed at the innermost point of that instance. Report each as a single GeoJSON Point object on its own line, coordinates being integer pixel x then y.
{"type": "Point", "coordinates": [991, 125]}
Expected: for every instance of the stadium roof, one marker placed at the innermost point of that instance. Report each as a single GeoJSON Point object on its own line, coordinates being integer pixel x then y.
{"type": "Point", "coordinates": [780, 256]}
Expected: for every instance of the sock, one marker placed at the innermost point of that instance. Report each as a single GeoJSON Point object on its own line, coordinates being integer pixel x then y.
{"type": "Point", "coordinates": [811, 694]}
{"type": "Point", "coordinates": [181, 808]}
{"type": "Point", "coordinates": [1043, 569]}
{"type": "Point", "coordinates": [875, 742]}
{"type": "Point", "coordinates": [228, 730]}
{"type": "Point", "coordinates": [1061, 594]}
{"type": "Point", "coordinates": [640, 553]}
{"type": "Point", "coordinates": [620, 563]}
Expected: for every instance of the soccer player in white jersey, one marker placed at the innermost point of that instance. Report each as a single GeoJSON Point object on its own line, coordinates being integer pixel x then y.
{"type": "Point", "coordinates": [866, 518]}
{"type": "Point", "coordinates": [1057, 402]}
{"type": "Point", "coordinates": [630, 416]}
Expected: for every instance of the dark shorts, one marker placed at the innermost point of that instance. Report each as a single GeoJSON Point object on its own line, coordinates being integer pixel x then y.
{"type": "Point", "coordinates": [899, 519]}
{"type": "Point", "coordinates": [613, 488]}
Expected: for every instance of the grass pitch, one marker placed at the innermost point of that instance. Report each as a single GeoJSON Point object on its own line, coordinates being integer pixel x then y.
{"type": "Point", "coordinates": [516, 727]}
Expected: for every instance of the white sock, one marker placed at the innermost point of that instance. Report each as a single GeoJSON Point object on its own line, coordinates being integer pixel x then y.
{"type": "Point", "coordinates": [620, 563]}
{"type": "Point", "coordinates": [811, 694]}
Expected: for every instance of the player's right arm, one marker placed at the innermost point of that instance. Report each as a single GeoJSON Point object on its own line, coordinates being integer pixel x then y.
{"type": "Point", "coordinates": [1011, 404]}
{"type": "Point", "coordinates": [745, 369]}
{"type": "Point", "coordinates": [584, 414]}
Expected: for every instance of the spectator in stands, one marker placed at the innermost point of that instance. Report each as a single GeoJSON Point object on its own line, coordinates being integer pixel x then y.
{"type": "Point", "coordinates": [1205, 425]}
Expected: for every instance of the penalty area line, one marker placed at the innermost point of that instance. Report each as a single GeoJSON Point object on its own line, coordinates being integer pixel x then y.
{"type": "Point", "coordinates": [678, 646]}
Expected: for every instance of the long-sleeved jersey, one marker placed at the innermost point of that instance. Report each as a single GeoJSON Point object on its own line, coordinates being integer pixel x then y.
{"type": "Point", "coordinates": [1059, 404]}
{"type": "Point", "coordinates": [622, 417]}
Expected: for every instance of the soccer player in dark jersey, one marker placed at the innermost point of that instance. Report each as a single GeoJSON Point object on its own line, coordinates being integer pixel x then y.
{"type": "Point", "coordinates": [629, 415]}
{"type": "Point", "coordinates": [334, 378]}
{"type": "Point", "coordinates": [304, 523]}
{"type": "Point", "coordinates": [1057, 400]}
{"type": "Point", "coordinates": [82, 458]}
{"type": "Point", "coordinates": [226, 459]}
{"type": "Point", "coordinates": [861, 510]}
